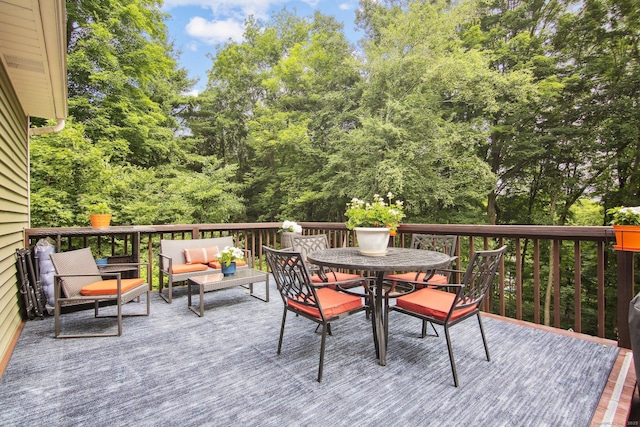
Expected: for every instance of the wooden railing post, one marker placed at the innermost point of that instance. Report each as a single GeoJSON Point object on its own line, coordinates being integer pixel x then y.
{"type": "Point", "coordinates": [625, 294]}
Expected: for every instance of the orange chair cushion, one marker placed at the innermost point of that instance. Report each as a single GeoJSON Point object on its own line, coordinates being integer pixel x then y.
{"type": "Point", "coordinates": [333, 303]}
{"type": "Point", "coordinates": [433, 303]}
{"type": "Point", "coordinates": [110, 287]}
{"type": "Point", "coordinates": [200, 255]}
{"type": "Point", "coordinates": [437, 279]}
{"type": "Point", "coordinates": [216, 264]}
{"type": "Point", "coordinates": [187, 268]}
{"type": "Point", "coordinates": [339, 277]}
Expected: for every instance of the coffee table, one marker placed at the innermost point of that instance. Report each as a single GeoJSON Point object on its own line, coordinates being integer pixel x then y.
{"type": "Point", "coordinates": [211, 282]}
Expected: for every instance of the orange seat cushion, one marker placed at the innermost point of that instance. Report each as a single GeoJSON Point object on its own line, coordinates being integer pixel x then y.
{"type": "Point", "coordinates": [333, 303]}
{"type": "Point", "coordinates": [437, 279]}
{"type": "Point", "coordinates": [433, 303]}
{"type": "Point", "coordinates": [200, 255]}
{"type": "Point", "coordinates": [187, 268]}
{"type": "Point", "coordinates": [217, 264]}
{"type": "Point", "coordinates": [110, 287]}
{"type": "Point", "coordinates": [338, 277]}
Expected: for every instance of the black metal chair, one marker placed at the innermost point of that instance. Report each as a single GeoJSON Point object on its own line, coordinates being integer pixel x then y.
{"type": "Point", "coordinates": [432, 242]}
{"type": "Point", "coordinates": [314, 301]}
{"type": "Point", "coordinates": [319, 274]}
{"type": "Point", "coordinates": [448, 308]}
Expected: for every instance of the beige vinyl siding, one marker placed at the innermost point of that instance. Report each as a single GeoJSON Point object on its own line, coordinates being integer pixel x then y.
{"type": "Point", "coordinates": [14, 206]}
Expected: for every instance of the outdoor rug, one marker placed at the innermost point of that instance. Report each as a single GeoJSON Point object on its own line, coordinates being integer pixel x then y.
{"type": "Point", "coordinates": [175, 368]}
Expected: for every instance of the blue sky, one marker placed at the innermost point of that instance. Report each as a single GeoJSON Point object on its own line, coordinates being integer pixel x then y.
{"type": "Point", "coordinates": [197, 26]}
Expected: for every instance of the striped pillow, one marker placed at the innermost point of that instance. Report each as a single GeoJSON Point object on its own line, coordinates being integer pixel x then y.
{"type": "Point", "coordinates": [201, 255]}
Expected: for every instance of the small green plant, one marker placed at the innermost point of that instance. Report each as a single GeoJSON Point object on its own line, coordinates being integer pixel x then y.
{"type": "Point", "coordinates": [378, 213]}
{"type": "Point", "coordinates": [230, 254]}
{"type": "Point", "coordinates": [99, 208]}
{"type": "Point", "coordinates": [624, 215]}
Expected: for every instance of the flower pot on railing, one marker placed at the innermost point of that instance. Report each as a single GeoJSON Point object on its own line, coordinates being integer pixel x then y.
{"type": "Point", "coordinates": [372, 241]}
{"type": "Point", "coordinates": [627, 237]}
{"type": "Point", "coordinates": [100, 220]}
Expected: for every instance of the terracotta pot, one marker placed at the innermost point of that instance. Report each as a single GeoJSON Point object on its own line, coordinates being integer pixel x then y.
{"type": "Point", "coordinates": [627, 237]}
{"type": "Point", "coordinates": [372, 241]}
{"type": "Point", "coordinates": [100, 220]}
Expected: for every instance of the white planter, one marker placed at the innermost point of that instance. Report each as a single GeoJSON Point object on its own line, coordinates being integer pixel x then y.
{"type": "Point", "coordinates": [372, 241]}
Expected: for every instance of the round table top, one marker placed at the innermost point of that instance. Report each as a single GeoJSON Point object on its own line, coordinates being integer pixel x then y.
{"type": "Point", "coordinates": [396, 259]}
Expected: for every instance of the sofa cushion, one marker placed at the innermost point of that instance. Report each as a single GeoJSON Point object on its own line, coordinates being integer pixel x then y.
{"type": "Point", "coordinates": [187, 268]}
{"type": "Point", "coordinates": [200, 255]}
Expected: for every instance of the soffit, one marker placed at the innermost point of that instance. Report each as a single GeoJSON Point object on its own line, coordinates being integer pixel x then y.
{"type": "Point", "coordinates": [33, 51]}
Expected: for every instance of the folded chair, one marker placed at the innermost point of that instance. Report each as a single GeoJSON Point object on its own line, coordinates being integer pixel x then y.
{"type": "Point", "coordinates": [458, 302]}
{"type": "Point", "coordinates": [432, 242]}
{"type": "Point", "coordinates": [314, 301]}
{"type": "Point", "coordinates": [78, 280]}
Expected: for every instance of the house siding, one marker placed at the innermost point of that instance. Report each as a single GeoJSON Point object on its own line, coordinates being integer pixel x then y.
{"type": "Point", "coordinates": [14, 206]}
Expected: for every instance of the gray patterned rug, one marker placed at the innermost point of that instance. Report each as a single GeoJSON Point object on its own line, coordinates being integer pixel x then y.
{"type": "Point", "coordinates": [174, 368]}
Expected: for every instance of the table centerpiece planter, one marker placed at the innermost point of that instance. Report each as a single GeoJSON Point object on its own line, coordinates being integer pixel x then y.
{"type": "Point", "coordinates": [229, 270]}
{"type": "Point", "coordinates": [374, 222]}
{"type": "Point", "coordinates": [227, 259]}
{"type": "Point", "coordinates": [372, 241]}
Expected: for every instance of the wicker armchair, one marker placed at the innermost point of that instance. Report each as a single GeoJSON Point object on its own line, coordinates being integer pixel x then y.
{"type": "Point", "coordinates": [78, 280]}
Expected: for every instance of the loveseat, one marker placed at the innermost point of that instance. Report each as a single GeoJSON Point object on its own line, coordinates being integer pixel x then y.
{"type": "Point", "coordinates": [182, 259]}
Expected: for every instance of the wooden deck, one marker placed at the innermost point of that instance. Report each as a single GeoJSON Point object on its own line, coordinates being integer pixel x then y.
{"type": "Point", "coordinates": [615, 405]}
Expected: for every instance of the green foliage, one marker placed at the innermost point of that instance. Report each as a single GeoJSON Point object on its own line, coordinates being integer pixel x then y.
{"type": "Point", "coordinates": [624, 215]}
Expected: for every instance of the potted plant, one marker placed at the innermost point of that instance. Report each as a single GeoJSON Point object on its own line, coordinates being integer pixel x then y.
{"type": "Point", "coordinates": [288, 229]}
{"type": "Point", "coordinates": [99, 215]}
{"type": "Point", "coordinates": [374, 222]}
{"type": "Point", "coordinates": [626, 225]}
{"type": "Point", "coordinates": [228, 257]}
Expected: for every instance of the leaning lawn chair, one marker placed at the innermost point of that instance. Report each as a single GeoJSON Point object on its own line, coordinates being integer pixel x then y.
{"type": "Point", "coordinates": [450, 308]}
{"type": "Point", "coordinates": [314, 301]}
{"type": "Point", "coordinates": [78, 280]}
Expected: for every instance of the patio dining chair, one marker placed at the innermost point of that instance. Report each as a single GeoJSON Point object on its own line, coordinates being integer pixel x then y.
{"type": "Point", "coordinates": [314, 301]}
{"type": "Point", "coordinates": [78, 280]}
{"type": "Point", "coordinates": [439, 304]}
{"type": "Point", "coordinates": [319, 274]}
{"type": "Point", "coordinates": [432, 242]}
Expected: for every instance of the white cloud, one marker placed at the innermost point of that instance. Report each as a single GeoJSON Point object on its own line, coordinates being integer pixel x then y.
{"type": "Point", "coordinates": [344, 6]}
{"type": "Point", "coordinates": [212, 32]}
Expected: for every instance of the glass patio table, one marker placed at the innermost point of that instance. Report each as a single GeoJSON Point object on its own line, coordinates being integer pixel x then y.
{"type": "Point", "coordinates": [396, 259]}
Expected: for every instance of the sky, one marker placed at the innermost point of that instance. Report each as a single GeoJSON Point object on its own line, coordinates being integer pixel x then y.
{"type": "Point", "coordinates": [197, 26]}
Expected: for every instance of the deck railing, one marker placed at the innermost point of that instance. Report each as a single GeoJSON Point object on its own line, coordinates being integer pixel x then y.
{"type": "Point", "coordinates": [573, 272]}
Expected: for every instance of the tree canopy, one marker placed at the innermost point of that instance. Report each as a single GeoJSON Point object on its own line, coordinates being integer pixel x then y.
{"type": "Point", "coordinates": [483, 111]}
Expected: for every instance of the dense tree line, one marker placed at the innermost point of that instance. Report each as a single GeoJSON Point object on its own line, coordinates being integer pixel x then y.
{"type": "Point", "coordinates": [482, 111]}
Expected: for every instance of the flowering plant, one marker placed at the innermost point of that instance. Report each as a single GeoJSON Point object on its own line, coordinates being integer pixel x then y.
{"type": "Point", "coordinates": [378, 213]}
{"type": "Point", "coordinates": [230, 254]}
{"type": "Point", "coordinates": [624, 215]}
{"type": "Point", "coordinates": [291, 226]}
